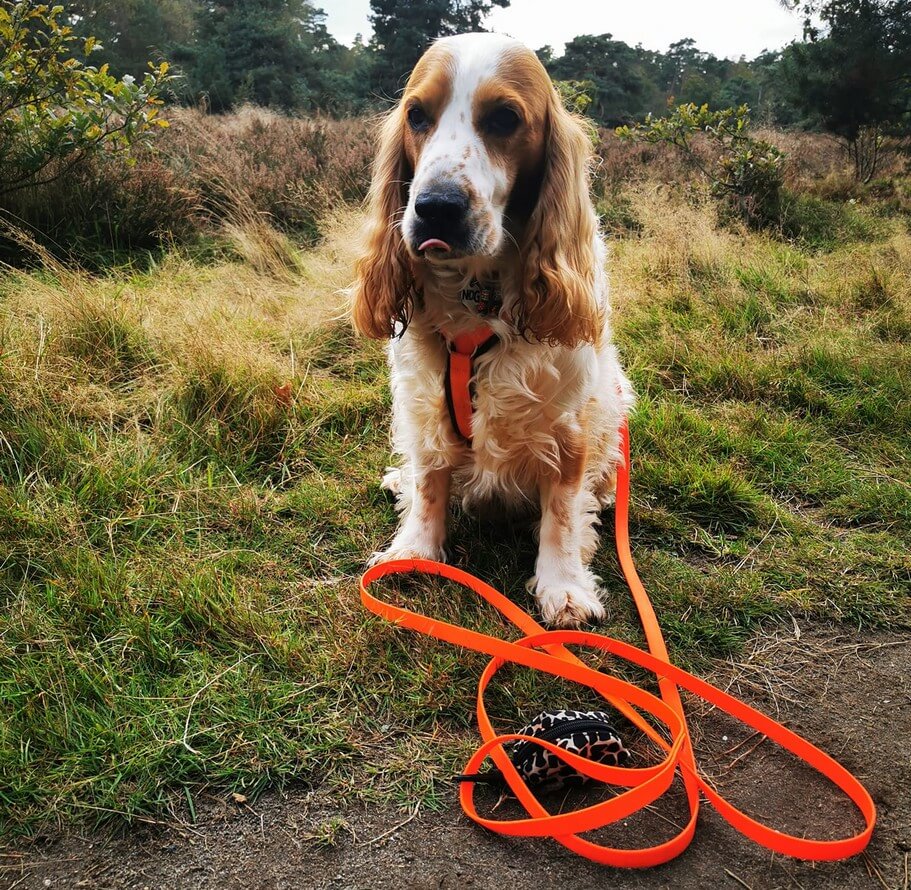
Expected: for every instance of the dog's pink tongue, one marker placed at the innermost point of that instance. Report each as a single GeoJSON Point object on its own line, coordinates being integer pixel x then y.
{"type": "Point", "coordinates": [434, 243]}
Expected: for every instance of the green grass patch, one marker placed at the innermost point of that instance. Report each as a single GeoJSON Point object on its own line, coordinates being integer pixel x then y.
{"type": "Point", "coordinates": [820, 224]}
{"type": "Point", "coordinates": [182, 530]}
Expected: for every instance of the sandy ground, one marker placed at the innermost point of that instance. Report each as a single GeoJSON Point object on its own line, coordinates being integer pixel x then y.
{"type": "Point", "coordinates": [848, 692]}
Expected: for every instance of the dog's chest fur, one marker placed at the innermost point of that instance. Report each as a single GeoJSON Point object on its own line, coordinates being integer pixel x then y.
{"type": "Point", "coordinates": [527, 397]}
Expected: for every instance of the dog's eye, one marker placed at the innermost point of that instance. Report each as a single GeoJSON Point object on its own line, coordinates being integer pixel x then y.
{"type": "Point", "coordinates": [417, 119]}
{"type": "Point", "coordinates": [502, 121]}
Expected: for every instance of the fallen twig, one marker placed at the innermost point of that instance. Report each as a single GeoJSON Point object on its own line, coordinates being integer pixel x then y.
{"type": "Point", "coordinates": [392, 830]}
{"type": "Point", "coordinates": [873, 870]}
{"type": "Point", "coordinates": [737, 760]}
{"type": "Point", "coordinates": [740, 881]}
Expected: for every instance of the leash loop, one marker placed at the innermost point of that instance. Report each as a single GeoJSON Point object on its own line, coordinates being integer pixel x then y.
{"type": "Point", "coordinates": [547, 652]}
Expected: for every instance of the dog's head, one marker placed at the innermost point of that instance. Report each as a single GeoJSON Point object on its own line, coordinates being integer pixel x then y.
{"type": "Point", "coordinates": [480, 153]}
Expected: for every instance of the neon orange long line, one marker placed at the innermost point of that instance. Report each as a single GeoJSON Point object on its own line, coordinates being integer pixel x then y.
{"type": "Point", "coordinates": [546, 651]}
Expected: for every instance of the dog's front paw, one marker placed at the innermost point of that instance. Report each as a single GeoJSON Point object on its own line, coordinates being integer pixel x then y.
{"type": "Point", "coordinates": [568, 603]}
{"type": "Point", "coordinates": [392, 481]}
{"type": "Point", "coordinates": [405, 549]}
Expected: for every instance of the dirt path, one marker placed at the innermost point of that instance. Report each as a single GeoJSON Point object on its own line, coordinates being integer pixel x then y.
{"type": "Point", "coordinates": [851, 693]}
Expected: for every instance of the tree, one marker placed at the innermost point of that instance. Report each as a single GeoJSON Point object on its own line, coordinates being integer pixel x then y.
{"type": "Point", "coordinates": [345, 83]}
{"type": "Point", "coordinates": [852, 76]}
{"type": "Point", "coordinates": [771, 102]}
{"type": "Point", "coordinates": [690, 76]}
{"type": "Point", "coordinates": [270, 52]}
{"type": "Point", "coordinates": [56, 110]}
{"type": "Point", "coordinates": [681, 59]}
{"type": "Point", "coordinates": [741, 88]}
{"type": "Point", "coordinates": [130, 32]}
{"type": "Point", "coordinates": [402, 30]}
{"type": "Point", "coordinates": [621, 86]}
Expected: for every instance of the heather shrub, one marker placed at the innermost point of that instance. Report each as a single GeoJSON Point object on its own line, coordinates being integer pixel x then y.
{"type": "Point", "coordinates": [104, 207]}
{"type": "Point", "coordinates": [293, 170]}
{"type": "Point", "coordinates": [233, 176]}
{"type": "Point", "coordinates": [618, 161]}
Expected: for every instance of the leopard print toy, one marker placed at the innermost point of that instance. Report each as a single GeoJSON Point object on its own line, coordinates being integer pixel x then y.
{"type": "Point", "coordinates": [586, 733]}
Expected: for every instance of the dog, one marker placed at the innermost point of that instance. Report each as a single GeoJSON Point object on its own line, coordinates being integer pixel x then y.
{"type": "Point", "coordinates": [480, 220]}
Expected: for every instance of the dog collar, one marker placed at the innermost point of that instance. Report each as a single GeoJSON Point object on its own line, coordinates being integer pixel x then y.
{"type": "Point", "coordinates": [485, 298]}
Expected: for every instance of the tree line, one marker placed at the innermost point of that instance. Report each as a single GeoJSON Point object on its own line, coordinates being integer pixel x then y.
{"type": "Point", "coordinates": [280, 53]}
{"type": "Point", "coordinates": [850, 75]}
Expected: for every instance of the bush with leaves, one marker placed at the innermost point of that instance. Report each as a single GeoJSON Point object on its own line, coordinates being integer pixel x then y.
{"type": "Point", "coordinates": [747, 173]}
{"type": "Point", "coordinates": [576, 95]}
{"type": "Point", "coordinates": [56, 110]}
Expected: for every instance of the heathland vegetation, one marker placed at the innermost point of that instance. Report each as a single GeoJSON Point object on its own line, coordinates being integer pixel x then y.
{"type": "Point", "coordinates": [191, 439]}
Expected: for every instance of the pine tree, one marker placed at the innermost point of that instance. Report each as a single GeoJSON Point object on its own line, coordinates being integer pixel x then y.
{"type": "Point", "coordinates": [403, 29]}
{"type": "Point", "coordinates": [269, 52]}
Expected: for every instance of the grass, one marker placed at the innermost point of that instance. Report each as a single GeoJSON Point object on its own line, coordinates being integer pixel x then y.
{"type": "Point", "coordinates": [190, 459]}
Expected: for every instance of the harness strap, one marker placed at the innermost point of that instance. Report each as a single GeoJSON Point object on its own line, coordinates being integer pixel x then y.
{"type": "Point", "coordinates": [463, 350]}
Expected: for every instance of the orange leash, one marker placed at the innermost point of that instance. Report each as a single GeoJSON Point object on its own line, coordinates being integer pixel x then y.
{"type": "Point", "coordinates": [546, 651]}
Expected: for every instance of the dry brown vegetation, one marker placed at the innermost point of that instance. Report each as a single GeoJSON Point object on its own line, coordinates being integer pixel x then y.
{"type": "Point", "coordinates": [250, 169]}
{"type": "Point", "coordinates": [815, 164]}
{"type": "Point", "coordinates": [239, 180]}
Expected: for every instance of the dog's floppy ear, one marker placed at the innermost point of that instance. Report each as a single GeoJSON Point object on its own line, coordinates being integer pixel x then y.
{"type": "Point", "coordinates": [382, 293]}
{"type": "Point", "coordinates": [558, 302]}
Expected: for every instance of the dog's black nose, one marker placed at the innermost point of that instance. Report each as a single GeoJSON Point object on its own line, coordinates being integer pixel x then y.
{"type": "Point", "coordinates": [442, 204]}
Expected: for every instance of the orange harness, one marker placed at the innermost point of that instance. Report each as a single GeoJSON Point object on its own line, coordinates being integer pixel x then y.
{"type": "Point", "coordinates": [463, 350]}
{"type": "Point", "coordinates": [547, 651]}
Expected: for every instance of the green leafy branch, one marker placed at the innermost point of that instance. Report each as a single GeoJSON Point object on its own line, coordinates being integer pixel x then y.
{"type": "Point", "coordinates": [747, 171]}
{"type": "Point", "coordinates": [56, 110]}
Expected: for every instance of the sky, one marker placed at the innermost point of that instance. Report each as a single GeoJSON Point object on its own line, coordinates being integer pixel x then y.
{"type": "Point", "coordinates": [725, 28]}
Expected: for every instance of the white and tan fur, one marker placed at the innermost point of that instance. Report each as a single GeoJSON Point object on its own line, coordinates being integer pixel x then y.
{"type": "Point", "coordinates": [551, 396]}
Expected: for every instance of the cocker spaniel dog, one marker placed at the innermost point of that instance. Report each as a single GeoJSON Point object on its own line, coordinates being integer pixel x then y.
{"type": "Point", "coordinates": [485, 267]}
